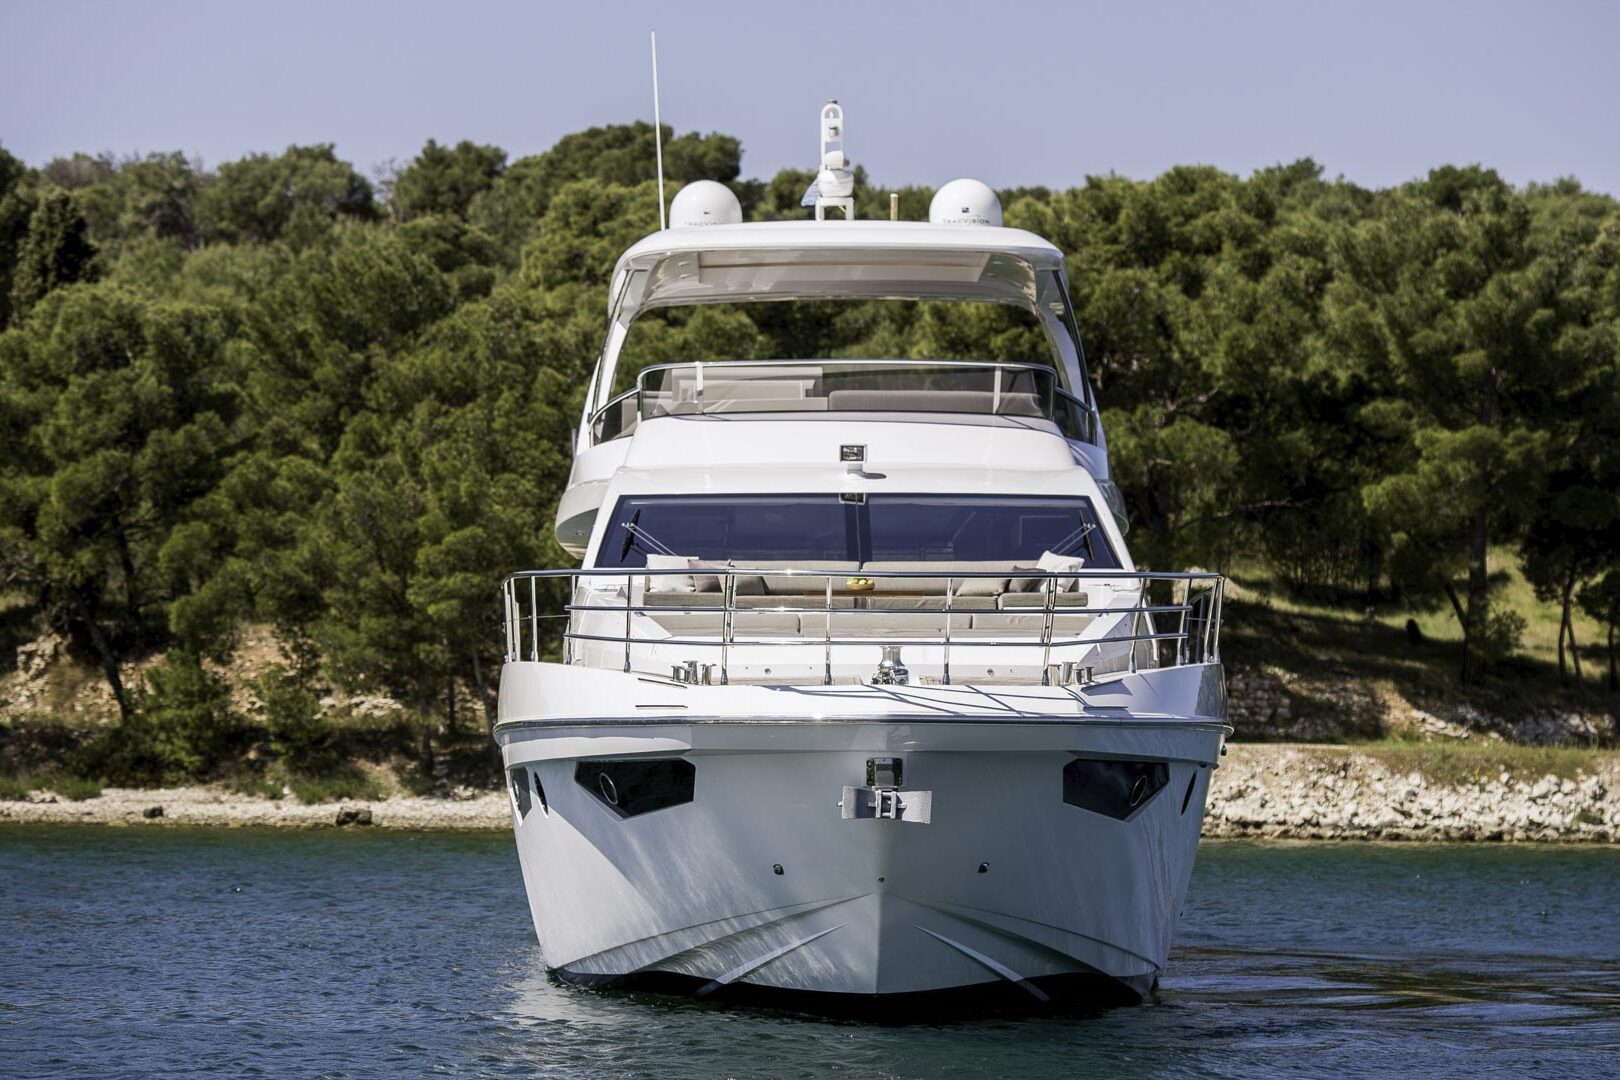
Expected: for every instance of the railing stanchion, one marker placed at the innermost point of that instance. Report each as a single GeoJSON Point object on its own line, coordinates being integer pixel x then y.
{"type": "Point", "coordinates": [506, 621]}
{"type": "Point", "coordinates": [950, 600]}
{"type": "Point", "coordinates": [629, 590]}
{"type": "Point", "coordinates": [726, 617]}
{"type": "Point", "coordinates": [568, 627]}
{"type": "Point", "coordinates": [1186, 617]}
{"type": "Point", "coordinates": [1136, 621]}
{"type": "Point", "coordinates": [1046, 631]}
{"type": "Point", "coordinates": [534, 624]}
{"type": "Point", "coordinates": [826, 678]}
{"type": "Point", "coordinates": [1215, 619]}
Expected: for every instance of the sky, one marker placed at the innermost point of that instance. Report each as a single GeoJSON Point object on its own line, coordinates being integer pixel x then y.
{"type": "Point", "coordinates": [1019, 92]}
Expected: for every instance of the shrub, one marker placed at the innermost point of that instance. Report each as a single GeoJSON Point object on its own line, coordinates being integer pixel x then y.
{"type": "Point", "coordinates": [348, 784]}
{"type": "Point", "coordinates": [305, 741]}
{"type": "Point", "coordinates": [14, 787]}
{"type": "Point", "coordinates": [180, 728]}
{"type": "Point", "coordinates": [1501, 635]}
{"type": "Point", "coordinates": [75, 788]}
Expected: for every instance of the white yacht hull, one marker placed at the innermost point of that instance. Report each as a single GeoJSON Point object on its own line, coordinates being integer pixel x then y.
{"type": "Point", "coordinates": [1006, 888]}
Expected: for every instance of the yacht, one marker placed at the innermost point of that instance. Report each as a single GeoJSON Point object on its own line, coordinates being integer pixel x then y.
{"type": "Point", "coordinates": [856, 701]}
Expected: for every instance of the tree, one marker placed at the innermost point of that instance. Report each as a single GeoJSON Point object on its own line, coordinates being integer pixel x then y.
{"type": "Point", "coordinates": [124, 427]}
{"type": "Point", "coordinates": [620, 154]}
{"type": "Point", "coordinates": [56, 251]}
{"type": "Point", "coordinates": [1601, 601]}
{"type": "Point", "coordinates": [1451, 311]}
{"type": "Point", "coordinates": [16, 208]}
{"type": "Point", "coordinates": [445, 180]}
{"type": "Point", "coordinates": [298, 193]}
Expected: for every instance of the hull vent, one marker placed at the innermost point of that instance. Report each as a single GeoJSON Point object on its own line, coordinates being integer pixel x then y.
{"type": "Point", "coordinates": [637, 786]}
{"type": "Point", "coordinates": [1119, 789]}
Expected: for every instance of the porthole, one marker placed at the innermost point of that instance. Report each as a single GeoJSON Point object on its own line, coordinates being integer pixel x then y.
{"type": "Point", "coordinates": [540, 794]}
{"type": "Point", "coordinates": [1186, 800]}
{"type": "Point", "coordinates": [609, 790]}
{"type": "Point", "coordinates": [518, 782]}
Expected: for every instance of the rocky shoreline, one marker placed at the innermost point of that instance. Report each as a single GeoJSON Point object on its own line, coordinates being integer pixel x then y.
{"type": "Point", "coordinates": [1324, 792]}
{"type": "Point", "coordinates": [209, 806]}
{"type": "Point", "coordinates": [1261, 790]}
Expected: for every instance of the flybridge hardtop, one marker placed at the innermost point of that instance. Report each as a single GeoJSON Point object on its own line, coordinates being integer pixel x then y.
{"type": "Point", "coordinates": [847, 260]}
{"type": "Point", "coordinates": [858, 702]}
{"type": "Point", "coordinates": [853, 260]}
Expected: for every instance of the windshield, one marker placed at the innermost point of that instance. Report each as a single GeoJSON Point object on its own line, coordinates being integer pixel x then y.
{"type": "Point", "coordinates": [1015, 529]}
{"type": "Point", "coordinates": [831, 330]}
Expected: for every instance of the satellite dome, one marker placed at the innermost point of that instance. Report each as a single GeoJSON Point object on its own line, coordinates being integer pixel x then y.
{"type": "Point", "coordinates": [704, 202]}
{"type": "Point", "coordinates": [965, 202]}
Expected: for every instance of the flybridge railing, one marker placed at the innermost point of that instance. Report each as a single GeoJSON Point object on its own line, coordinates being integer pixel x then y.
{"type": "Point", "coordinates": [984, 388]}
{"type": "Point", "coordinates": [1178, 626]}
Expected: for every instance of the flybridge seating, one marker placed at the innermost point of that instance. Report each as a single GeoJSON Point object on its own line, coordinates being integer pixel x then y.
{"type": "Point", "coordinates": [983, 388]}
{"type": "Point", "coordinates": [837, 622]}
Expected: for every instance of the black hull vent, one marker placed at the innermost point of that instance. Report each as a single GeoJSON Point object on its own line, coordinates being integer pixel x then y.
{"type": "Point", "coordinates": [1116, 788]}
{"type": "Point", "coordinates": [637, 786]}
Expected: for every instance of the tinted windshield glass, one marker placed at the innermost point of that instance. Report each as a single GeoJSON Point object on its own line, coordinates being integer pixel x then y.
{"type": "Point", "coordinates": [831, 330]}
{"type": "Point", "coordinates": [884, 528]}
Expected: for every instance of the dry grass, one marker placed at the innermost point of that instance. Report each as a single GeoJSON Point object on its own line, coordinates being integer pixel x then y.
{"type": "Point", "coordinates": [1334, 637]}
{"type": "Point", "coordinates": [1457, 764]}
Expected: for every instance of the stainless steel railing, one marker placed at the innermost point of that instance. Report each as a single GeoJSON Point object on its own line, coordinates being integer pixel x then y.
{"type": "Point", "coordinates": [930, 386]}
{"type": "Point", "coordinates": [1180, 625]}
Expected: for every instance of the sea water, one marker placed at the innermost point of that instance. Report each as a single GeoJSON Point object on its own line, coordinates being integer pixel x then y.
{"type": "Point", "coordinates": [158, 951]}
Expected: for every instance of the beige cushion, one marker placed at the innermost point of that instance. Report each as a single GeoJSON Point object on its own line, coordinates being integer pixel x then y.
{"type": "Point", "coordinates": [903, 625]}
{"type": "Point", "coordinates": [795, 601]}
{"type": "Point", "coordinates": [747, 584]}
{"type": "Point", "coordinates": [670, 583]}
{"type": "Point", "coordinates": [665, 599]}
{"type": "Point", "coordinates": [1036, 601]}
{"type": "Point", "coordinates": [1048, 563]}
{"type": "Point", "coordinates": [963, 586]}
{"type": "Point", "coordinates": [959, 604]}
{"type": "Point", "coordinates": [1063, 626]}
{"type": "Point", "coordinates": [799, 584]}
{"type": "Point", "coordinates": [744, 624]}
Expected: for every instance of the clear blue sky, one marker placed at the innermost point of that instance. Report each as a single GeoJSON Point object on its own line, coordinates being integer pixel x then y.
{"type": "Point", "coordinates": [1015, 92]}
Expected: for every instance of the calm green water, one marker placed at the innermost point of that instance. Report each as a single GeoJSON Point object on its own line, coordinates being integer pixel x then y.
{"type": "Point", "coordinates": [156, 951]}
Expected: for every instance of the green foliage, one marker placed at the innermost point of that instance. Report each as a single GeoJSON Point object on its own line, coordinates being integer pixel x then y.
{"type": "Point", "coordinates": [180, 728]}
{"type": "Point", "coordinates": [56, 251]}
{"type": "Point", "coordinates": [16, 209]}
{"type": "Point", "coordinates": [445, 180]}
{"type": "Point", "coordinates": [297, 194]}
{"type": "Point", "coordinates": [15, 787]}
{"type": "Point", "coordinates": [348, 784]}
{"type": "Point", "coordinates": [75, 788]}
{"type": "Point", "coordinates": [252, 395]}
{"type": "Point", "coordinates": [1460, 764]}
{"type": "Point", "coordinates": [304, 740]}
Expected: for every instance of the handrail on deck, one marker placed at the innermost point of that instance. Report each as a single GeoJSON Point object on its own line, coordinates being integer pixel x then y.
{"type": "Point", "coordinates": [1193, 606]}
{"type": "Point", "coordinates": [1055, 404]}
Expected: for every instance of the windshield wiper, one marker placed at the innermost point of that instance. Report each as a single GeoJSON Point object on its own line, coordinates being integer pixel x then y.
{"type": "Point", "coordinates": [635, 535]}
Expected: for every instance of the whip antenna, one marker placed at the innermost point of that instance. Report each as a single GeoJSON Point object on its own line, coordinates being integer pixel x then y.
{"type": "Point", "coordinates": [658, 134]}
